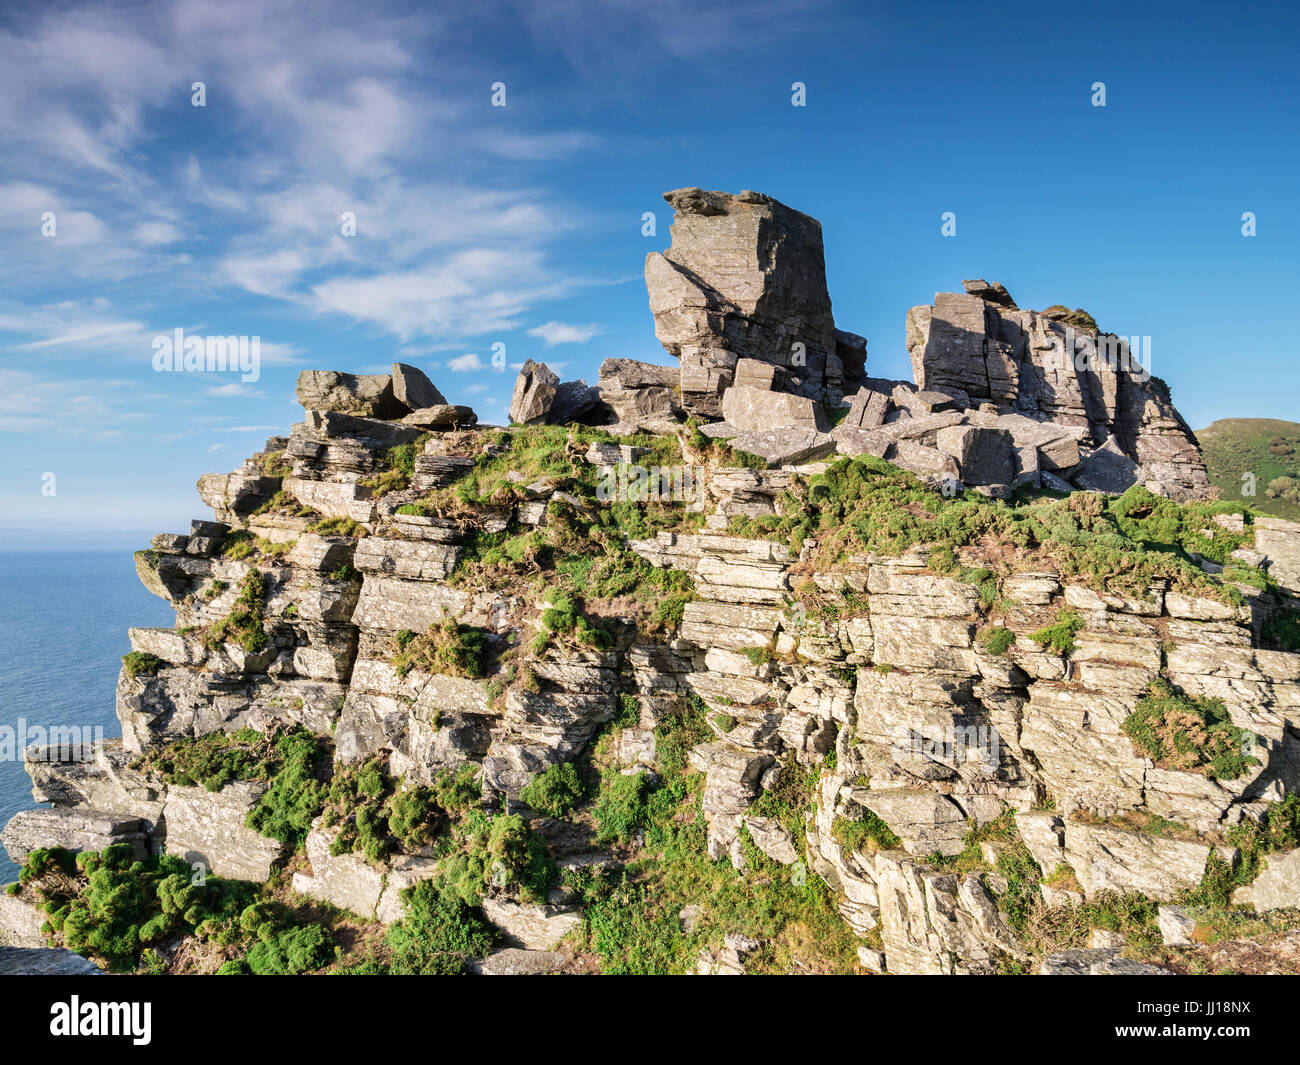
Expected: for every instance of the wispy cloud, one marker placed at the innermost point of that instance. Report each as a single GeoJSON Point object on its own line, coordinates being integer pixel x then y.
{"type": "Point", "coordinates": [552, 333]}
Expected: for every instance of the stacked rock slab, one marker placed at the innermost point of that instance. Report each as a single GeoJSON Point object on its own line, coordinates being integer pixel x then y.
{"type": "Point", "coordinates": [980, 348]}
{"type": "Point", "coordinates": [745, 278]}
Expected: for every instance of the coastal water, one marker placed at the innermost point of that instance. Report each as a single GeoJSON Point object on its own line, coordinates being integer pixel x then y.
{"type": "Point", "coordinates": [63, 622]}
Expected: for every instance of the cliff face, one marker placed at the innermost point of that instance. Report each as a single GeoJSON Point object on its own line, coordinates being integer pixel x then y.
{"type": "Point", "coordinates": [957, 714]}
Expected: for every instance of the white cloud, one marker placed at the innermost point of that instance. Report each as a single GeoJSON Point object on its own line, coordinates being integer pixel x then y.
{"type": "Point", "coordinates": [236, 389]}
{"type": "Point", "coordinates": [465, 363]}
{"type": "Point", "coordinates": [552, 333]}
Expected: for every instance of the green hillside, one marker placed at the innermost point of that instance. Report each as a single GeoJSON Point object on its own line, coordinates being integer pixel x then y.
{"type": "Point", "coordinates": [1267, 448]}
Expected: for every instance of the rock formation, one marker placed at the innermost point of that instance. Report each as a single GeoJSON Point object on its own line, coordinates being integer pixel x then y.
{"type": "Point", "coordinates": [952, 708]}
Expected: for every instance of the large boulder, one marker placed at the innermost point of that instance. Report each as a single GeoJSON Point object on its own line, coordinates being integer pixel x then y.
{"type": "Point", "coordinates": [984, 456]}
{"type": "Point", "coordinates": [72, 828]}
{"type": "Point", "coordinates": [640, 395]}
{"type": "Point", "coordinates": [534, 396]}
{"type": "Point", "coordinates": [752, 409]}
{"type": "Point", "coordinates": [1277, 886]}
{"type": "Point", "coordinates": [745, 278]}
{"type": "Point", "coordinates": [365, 395]}
{"type": "Point", "coordinates": [441, 417]}
{"type": "Point", "coordinates": [413, 389]}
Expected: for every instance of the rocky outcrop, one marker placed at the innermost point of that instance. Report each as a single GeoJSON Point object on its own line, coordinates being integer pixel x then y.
{"type": "Point", "coordinates": [745, 278]}
{"type": "Point", "coordinates": [1036, 399]}
{"type": "Point", "coordinates": [872, 679]}
{"type": "Point", "coordinates": [979, 348]}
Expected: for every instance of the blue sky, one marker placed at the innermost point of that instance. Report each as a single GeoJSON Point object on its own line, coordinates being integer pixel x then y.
{"type": "Point", "coordinates": [521, 225]}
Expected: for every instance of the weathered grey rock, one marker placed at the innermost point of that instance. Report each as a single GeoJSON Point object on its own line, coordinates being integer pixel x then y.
{"type": "Point", "coordinates": [785, 447]}
{"type": "Point", "coordinates": [984, 456]}
{"type": "Point", "coordinates": [926, 822]}
{"type": "Point", "coordinates": [758, 410]}
{"type": "Point", "coordinates": [1176, 926]}
{"type": "Point", "coordinates": [923, 461]}
{"type": "Point", "coordinates": [1279, 540]}
{"type": "Point", "coordinates": [1277, 886]}
{"type": "Point", "coordinates": [978, 345]}
{"type": "Point", "coordinates": [20, 921]}
{"type": "Point", "coordinates": [574, 401]}
{"type": "Point", "coordinates": [414, 390]}
{"type": "Point", "coordinates": [343, 880]}
{"type": "Point", "coordinates": [640, 395]}
{"type": "Point", "coordinates": [208, 828]}
{"type": "Point", "coordinates": [744, 278]}
{"type": "Point", "coordinates": [534, 395]}
{"type": "Point", "coordinates": [994, 293]}
{"type": "Point", "coordinates": [1104, 961]}
{"type": "Point", "coordinates": [441, 417]}
{"type": "Point", "coordinates": [366, 395]}
{"type": "Point", "coordinates": [20, 961]}
{"type": "Point", "coordinates": [867, 409]}
{"type": "Point", "coordinates": [515, 961]}
{"type": "Point", "coordinates": [72, 828]}
{"type": "Point", "coordinates": [1106, 469]}
{"type": "Point", "coordinates": [534, 927]}
{"type": "Point", "coordinates": [773, 839]}
{"type": "Point", "coordinates": [1105, 858]}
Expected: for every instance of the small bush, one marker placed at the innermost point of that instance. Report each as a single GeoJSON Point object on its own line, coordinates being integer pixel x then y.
{"type": "Point", "coordinates": [137, 662]}
{"type": "Point", "coordinates": [555, 791]}
{"type": "Point", "coordinates": [291, 952]}
{"type": "Point", "coordinates": [1184, 732]}
{"type": "Point", "coordinates": [868, 833]}
{"type": "Point", "coordinates": [243, 625]}
{"type": "Point", "coordinates": [449, 648]}
{"type": "Point", "coordinates": [287, 808]}
{"type": "Point", "coordinates": [620, 807]}
{"type": "Point", "coordinates": [997, 641]}
{"type": "Point", "coordinates": [1059, 636]}
{"type": "Point", "coordinates": [437, 932]}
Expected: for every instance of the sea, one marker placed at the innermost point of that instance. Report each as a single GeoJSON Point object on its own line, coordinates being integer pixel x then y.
{"type": "Point", "coordinates": [63, 622]}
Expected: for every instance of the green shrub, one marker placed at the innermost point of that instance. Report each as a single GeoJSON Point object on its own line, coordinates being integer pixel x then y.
{"type": "Point", "coordinates": [215, 760]}
{"type": "Point", "coordinates": [1059, 636]}
{"type": "Point", "coordinates": [1185, 732]}
{"type": "Point", "coordinates": [456, 791]}
{"type": "Point", "coordinates": [564, 616]}
{"type": "Point", "coordinates": [448, 648]}
{"type": "Point", "coordinates": [866, 833]}
{"type": "Point", "coordinates": [1283, 631]}
{"type": "Point", "coordinates": [291, 952]}
{"type": "Point", "coordinates": [620, 807]}
{"type": "Point", "coordinates": [287, 808]}
{"type": "Point", "coordinates": [243, 625]}
{"type": "Point", "coordinates": [555, 791]}
{"type": "Point", "coordinates": [337, 527]}
{"type": "Point", "coordinates": [998, 640]}
{"type": "Point", "coordinates": [517, 857]}
{"type": "Point", "coordinates": [138, 662]}
{"type": "Point", "coordinates": [437, 933]}
{"type": "Point", "coordinates": [113, 906]}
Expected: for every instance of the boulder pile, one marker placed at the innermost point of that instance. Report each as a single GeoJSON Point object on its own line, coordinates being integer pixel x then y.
{"type": "Point", "coordinates": [1001, 399]}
